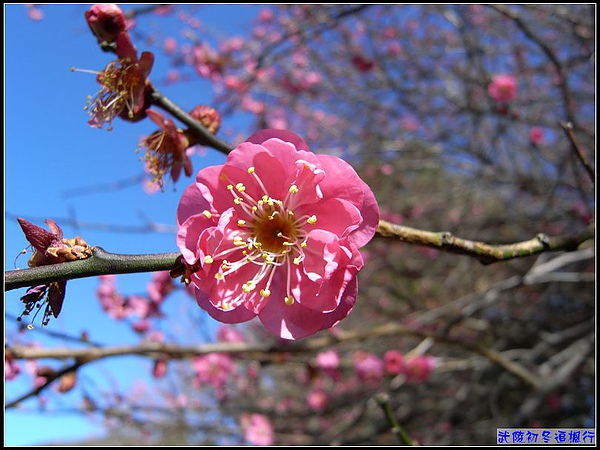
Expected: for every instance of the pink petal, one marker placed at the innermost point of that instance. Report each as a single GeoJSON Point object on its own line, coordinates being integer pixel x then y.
{"type": "Point", "coordinates": [296, 322]}
{"type": "Point", "coordinates": [236, 315]}
{"type": "Point", "coordinates": [337, 216]}
{"type": "Point", "coordinates": [263, 135]}
{"type": "Point", "coordinates": [197, 197]}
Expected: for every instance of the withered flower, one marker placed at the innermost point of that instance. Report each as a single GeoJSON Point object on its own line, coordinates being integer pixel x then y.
{"type": "Point", "coordinates": [50, 247]}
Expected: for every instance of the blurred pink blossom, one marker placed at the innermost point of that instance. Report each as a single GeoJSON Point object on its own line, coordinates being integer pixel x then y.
{"type": "Point", "coordinates": [160, 286]}
{"type": "Point", "coordinates": [503, 88]}
{"type": "Point", "coordinates": [369, 368]}
{"type": "Point", "coordinates": [34, 13]}
{"type": "Point", "coordinates": [215, 369]}
{"type": "Point", "coordinates": [536, 135]}
{"type": "Point", "coordinates": [329, 363]}
{"type": "Point", "coordinates": [418, 368]}
{"type": "Point", "coordinates": [394, 362]}
{"type": "Point", "coordinates": [11, 368]}
{"type": "Point", "coordinates": [317, 399]}
{"type": "Point", "coordinates": [257, 428]}
{"type": "Point", "coordinates": [386, 169]}
{"type": "Point", "coordinates": [170, 45]}
{"type": "Point", "coordinates": [227, 333]}
{"type": "Point", "coordinates": [113, 303]}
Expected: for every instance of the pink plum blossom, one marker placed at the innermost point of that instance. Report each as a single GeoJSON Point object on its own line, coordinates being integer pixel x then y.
{"type": "Point", "coordinates": [503, 88]}
{"type": "Point", "coordinates": [329, 362]}
{"type": "Point", "coordinates": [215, 369]}
{"type": "Point", "coordinates": [11, 368]}
{"type": "Point", "coordinates": [170, 45]}
{"type": "Point", "coordinates": [317, 399]}
{"type": "Point", "coordinates": [418, 368]}
{"type": "Point", "coordinates": [160, 286]}
{"type": "Point", "coordinates": [227, 333]}
{"type": "Point", "coordinates": [369, 368]}
{"type": "Point", "coordinates": [258, 429]}
{"type": "Point", "coordinates": [394, 362]}
{"type": "Point", "coordinates": [274, 233]}
{"type": "Point", "coordinates": [536, 135]}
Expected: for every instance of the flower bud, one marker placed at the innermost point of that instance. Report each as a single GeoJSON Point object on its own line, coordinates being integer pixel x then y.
{"type": "Point", "coordinates": [106, 20]}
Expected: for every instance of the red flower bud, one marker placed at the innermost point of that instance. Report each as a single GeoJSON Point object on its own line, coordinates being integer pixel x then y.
{"type": "Point", "coordinates": [106, 20]}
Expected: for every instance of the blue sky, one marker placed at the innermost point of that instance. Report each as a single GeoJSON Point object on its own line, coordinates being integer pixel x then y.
{"type": "Point", "coordinates": [50, 151]}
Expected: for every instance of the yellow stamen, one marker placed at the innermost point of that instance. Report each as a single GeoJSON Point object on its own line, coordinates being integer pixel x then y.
{"type": "Point", "coordinates": [265, 292]}
{"type": "Point", "coordinates": [294, 189]}
{"type": "Point", "coordinates": [207, 213]}
{"type": "Point", "coordinates": [312, 219]}
{"type": "Point", "coordinates": [208, 259]}
{"type": "Point", "coordinates": [289, 300]}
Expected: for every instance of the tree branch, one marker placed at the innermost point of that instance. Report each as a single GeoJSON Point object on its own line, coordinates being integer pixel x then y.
{"type": "Point", "coordinates": [104, 263]}
{"type": "Point", "coordinates": [486, 253]}
{"type": "Point", "coordinates": [101, 263]}
{"type": "Point", "coordinates": [204, 136]}
{"type": "Point", "coordinates": [267, 352]}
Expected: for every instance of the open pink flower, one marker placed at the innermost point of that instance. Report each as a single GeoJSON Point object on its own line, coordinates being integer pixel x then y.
{"type": "Point", "coordinates": [274, 233]}
{"type": "Point", "coordinates": [503, 88]}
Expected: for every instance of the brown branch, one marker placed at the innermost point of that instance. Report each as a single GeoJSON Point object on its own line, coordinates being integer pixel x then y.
{"type": "Point", "coordinates": [101, 263]}
{"type": "Point", "coordinates": [266, 352]}
{"type": "Point", "coordinates": [486, 253]}
{"type": "Point", "coordinates": [204, 136]}
{"type": "Point", "coordinates": [568, 127]}
{"type": "Point", "coordinates": [51, 379]}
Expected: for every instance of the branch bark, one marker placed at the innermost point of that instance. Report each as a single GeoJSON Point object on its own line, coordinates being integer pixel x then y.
{"type": "Point", "coordinates": [486, 253]}
{"type": "Point", "coordinates": [101, 263]}
{"type": "Point", "coordinates": [104, 263]}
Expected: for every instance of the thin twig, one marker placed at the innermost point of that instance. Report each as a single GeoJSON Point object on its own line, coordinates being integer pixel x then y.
{"type": "Point", "coordinates": [383, 400]}
{"type": "Point", "coordinates": [568, 127]}
{"type": "Point", "coordinates": [204, 136]}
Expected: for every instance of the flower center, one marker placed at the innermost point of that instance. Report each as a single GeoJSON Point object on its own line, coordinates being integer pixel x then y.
{"type": "Point", "coordinates": [274, 235]}
{"type": "Point", "coordinates": [269, 236]}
